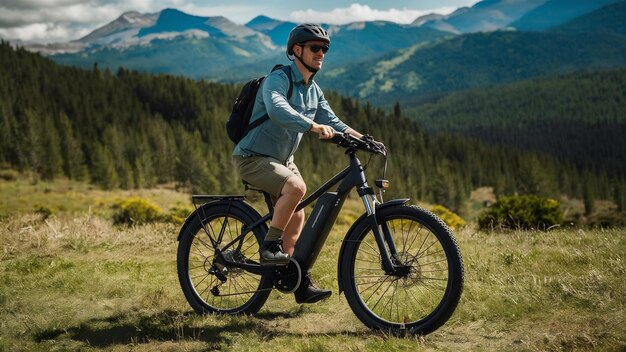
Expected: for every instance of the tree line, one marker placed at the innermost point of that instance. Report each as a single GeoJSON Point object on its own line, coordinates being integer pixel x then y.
{"type": "Point", "coordinates": [129, 129]}
{"type": "Point", "coordinates": [580, 117]}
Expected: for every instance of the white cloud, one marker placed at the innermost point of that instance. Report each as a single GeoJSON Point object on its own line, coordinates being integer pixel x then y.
{"type": "Point", "coordinates": [43, 32]}
{"type": "Point", "coordinates": [61, 23]}
{"type": "Point", "coordinates": [36, 4]}
{"type": "Point", "coordinates": [236, 13]}
{"type": "Point", "coordinates": [358, 12]}
{"type": "Point", "coordinates": [48, 21]}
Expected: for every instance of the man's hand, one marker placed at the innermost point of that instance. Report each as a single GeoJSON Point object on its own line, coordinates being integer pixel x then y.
{"type": "Point", "coordinates": [380, 147]}
{"type": "Point", "coordinates": [324, 131]}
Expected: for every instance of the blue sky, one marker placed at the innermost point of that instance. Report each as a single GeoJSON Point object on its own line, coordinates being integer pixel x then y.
{"type": "Point", "coordinates": [48, 21]}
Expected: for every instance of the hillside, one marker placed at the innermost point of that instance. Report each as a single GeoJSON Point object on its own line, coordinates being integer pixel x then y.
{"type": "Point", "coordinates": [275, 29]}
{"type": "Point", "coordinates": [413, 75]}
{"type": "Point", "coordinates": [579, 117]}
{"type": "Point", "coordinates": [350, 44]}
{"type": "Point", "coordinates": [212, 47]}
{"type": "Point", "coordinates": [201, 56]}
{"type": "Point", "coordinates": [608, 20]}
{"type": "Point", "coordinates": [475, 60]}
{"type": "Point", "coordinates": [486, 15]}
{"type": "Point", "coordinates": [556, 12]}
{"type": "Point", "coordinates": [379, 61]}
{"type": "Point", "coordinates": [132, 129]}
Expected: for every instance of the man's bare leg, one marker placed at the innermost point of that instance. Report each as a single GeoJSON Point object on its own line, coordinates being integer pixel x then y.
{"type": "Point", "coordinates": [292, 232]}
{"type": "Point", "coordinates": [291, 194]}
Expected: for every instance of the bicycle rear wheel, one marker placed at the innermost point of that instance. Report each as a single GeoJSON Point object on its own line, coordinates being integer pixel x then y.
{"type": "Point", "coordinates": [208, 286]}
{"type": "Point", "coordinates": [425, 289]}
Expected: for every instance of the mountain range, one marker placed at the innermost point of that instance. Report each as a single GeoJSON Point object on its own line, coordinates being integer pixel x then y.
{"type": "Point", "coordinates": [596, 40]}
{"type": "Point", "coordinates": [492, 42]}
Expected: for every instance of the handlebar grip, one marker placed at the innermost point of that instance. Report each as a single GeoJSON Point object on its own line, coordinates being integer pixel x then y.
{"type": "Point", "coordinates": [347, 140]}
{"type": "Point", "coordinates": [337, 137]}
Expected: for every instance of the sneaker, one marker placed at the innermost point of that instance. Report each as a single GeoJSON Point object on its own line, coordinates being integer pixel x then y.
{"type": "Point", "coordinates": [272, 253]}
{"type": "Point", "coordinates": [307, 292]}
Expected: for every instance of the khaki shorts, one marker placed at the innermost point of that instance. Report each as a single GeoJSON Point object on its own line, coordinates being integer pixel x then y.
{"type": "Point", "coordinates": [265, 173]}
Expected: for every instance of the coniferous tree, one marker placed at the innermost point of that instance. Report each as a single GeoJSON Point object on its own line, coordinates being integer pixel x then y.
{"type": "Point", "coordinates": [136, 129]}
{"type": "Point", "coordinates": [51, 163]}
{"type": "Point", "coordinates": [71, 150]}
{"type": "Point", "coordinates": [397, 110]}
{"type": "Point", "coordinates": [103, 170]}
{"type": "Point", "coordinates": [588, 196]}
{"type": "Point", "coordinates": [619, 196]}
{"type": "Point", "coordinates": [191, 167]}
{"type": "Point", "coordinates": [9, 146]}
{"type": "Point", "coordinates": [33, 140]}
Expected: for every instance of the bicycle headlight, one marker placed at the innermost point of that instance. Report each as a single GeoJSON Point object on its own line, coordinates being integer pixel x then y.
{"type": "Point", "coordinates": [382, 183]}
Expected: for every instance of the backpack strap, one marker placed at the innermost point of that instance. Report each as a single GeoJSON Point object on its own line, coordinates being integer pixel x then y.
{"type": "Point", "coordinates": [260, 120]}
{"type": "Point", "coordinates": [287, 70]}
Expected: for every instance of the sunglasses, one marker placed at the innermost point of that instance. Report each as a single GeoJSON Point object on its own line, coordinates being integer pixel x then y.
{"type": "Point", "coordinates": [315, 48]}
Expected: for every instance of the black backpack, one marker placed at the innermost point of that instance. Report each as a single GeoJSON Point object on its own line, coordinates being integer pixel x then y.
{"type": "Point", "coordinates": [238, 124]}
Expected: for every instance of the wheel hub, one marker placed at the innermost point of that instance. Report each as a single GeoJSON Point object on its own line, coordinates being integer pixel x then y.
{"type": "Point", "coordinates": [407, 267]}
{"type": "Point", "coordinates": [234, 256]}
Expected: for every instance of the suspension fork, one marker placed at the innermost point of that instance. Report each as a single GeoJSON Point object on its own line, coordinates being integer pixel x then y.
{"type": "Point", "coordinates": [384, 240]}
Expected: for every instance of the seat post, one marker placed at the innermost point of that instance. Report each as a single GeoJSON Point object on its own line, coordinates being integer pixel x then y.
{"type": "Point", "coordinates": [266, 196]}
{"type": "Point", "coordinates": [268, 201]}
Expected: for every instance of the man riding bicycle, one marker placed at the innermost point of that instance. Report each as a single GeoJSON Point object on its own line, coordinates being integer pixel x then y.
{"type": "Point", "coordinates": [264, 157]}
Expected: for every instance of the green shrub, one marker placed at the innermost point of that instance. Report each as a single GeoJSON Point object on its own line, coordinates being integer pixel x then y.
{"type": "Point", "coordinates": [136, 211]}
{"type": "Point", "coordinates": [454, 221]}
{"type": "Point", "coordinates": [521, 212]}
{"type": "Point", "coordinates": [178, 213]}
{"type": "Point", "coordinates": [9, 175]}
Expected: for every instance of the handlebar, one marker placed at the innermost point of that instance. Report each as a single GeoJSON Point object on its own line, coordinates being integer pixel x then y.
{"type": "Point", "coordinates": [366, 143]}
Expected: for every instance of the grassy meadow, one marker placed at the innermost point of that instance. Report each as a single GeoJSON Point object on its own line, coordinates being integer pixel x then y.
{"type": "Point", "coordinates": [74, 281]}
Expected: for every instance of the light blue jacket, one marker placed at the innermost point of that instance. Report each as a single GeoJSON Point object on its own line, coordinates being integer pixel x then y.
{"type": "Point", "coordinates": [280, 136]}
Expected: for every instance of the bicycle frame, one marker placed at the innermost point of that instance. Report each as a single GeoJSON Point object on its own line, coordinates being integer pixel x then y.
{"type": "Point", "coordinates": [319, 223]}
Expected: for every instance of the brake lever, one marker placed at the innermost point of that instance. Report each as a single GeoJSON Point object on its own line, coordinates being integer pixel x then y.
{"type": "Point", "coordinates": [373, 145]}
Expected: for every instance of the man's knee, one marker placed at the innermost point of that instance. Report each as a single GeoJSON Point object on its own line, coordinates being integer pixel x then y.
{"type": "Point", "coordinates": [299, 215]}
{"type": "Point", "coordinates": [294, 187]}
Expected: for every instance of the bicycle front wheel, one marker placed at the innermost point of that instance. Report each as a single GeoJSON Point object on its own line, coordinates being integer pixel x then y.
{"type": "Point", "coordinates": [426, 286]}
{"type": "Point", "coordinates": [208, 286]}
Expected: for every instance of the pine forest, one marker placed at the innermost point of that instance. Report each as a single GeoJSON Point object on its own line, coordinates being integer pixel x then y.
{"type": "Point", "coordinates": [128, 130]}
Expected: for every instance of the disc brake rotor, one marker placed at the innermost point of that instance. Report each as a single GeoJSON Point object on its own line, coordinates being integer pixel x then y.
{"type": "Point", "coordinates": [409, 266]}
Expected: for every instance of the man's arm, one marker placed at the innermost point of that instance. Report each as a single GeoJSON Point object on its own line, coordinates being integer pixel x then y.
{"type": "Point", "coordinates": [279, 110]}
{"type": "Point", "coordinates": [350, 131]}
{"type": "Point", "coordinates": [326, 116]}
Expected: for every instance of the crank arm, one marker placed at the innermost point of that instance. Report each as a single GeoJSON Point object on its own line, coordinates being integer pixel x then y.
{"type": "Point", "coordinates": [253, 268]}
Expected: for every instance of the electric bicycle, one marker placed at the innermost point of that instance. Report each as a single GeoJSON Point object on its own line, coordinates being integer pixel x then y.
{"type": "Point", "coordinates": [399, 265]}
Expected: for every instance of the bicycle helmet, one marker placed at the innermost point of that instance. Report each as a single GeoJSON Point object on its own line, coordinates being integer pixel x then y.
{"type": "Point", "coordinates": [305, 32]}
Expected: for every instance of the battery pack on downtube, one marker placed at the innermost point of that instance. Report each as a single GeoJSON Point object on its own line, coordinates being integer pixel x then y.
{"type": "Point", "coordinates": [316, 229]}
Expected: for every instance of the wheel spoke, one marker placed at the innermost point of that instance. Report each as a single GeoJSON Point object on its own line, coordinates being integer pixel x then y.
{"type": "Point", "coordinates": [240, 287]}
{"type": "Point", "coordinates": [420, 282]}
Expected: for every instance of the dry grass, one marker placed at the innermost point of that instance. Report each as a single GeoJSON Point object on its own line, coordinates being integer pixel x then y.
{"type": "Point", "coordinates": [79, 282]}
{"type": "Point", "coordinates": [76, 282]}
{"type": "Point", "coordinates": [65, 196]}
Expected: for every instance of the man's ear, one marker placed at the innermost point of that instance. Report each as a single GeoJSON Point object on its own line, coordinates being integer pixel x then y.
{"type": "Point", "coordinates": [296, 48]}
